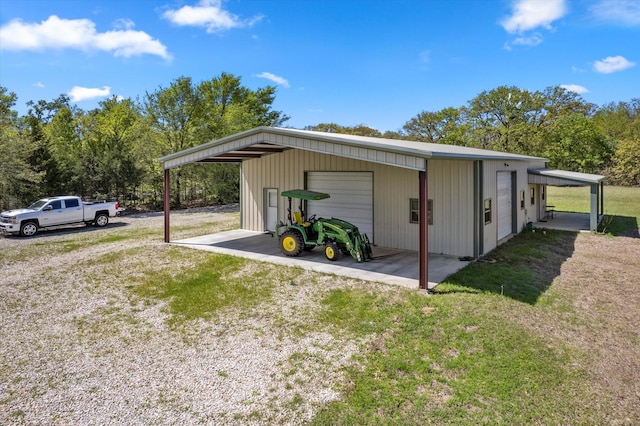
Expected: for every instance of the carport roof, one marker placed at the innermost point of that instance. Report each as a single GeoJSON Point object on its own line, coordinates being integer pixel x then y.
{"type": "Point", "coordinates": [562, 177]}
{"type": "Point", "coordinates": [262, 141]}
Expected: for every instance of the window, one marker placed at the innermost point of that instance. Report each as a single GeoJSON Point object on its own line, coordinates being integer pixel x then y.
{"type": "Point", "coordinates": [522, 199]}
{"type": "Point", "coordinates": [56, 205]}
{"type": "Point", "coordinates": [414, 208]}
{"type": "Point", "coordinates": [71, 203]}
{"type": "Point", "coordinates": [542, 191]}
{"type": "Point", "coordinates": [532, 192]}
{"type": "Point", "coordinates": [487, 211]}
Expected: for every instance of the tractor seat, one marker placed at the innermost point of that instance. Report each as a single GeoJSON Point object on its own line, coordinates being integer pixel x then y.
{"type": "Point", "coordinates": [297, 217]}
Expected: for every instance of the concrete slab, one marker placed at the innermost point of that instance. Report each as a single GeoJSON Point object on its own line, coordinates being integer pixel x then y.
{"type": "Point", "coordinates": [565, 221]}
{"type": "Point", "coordinates": [398, 267]}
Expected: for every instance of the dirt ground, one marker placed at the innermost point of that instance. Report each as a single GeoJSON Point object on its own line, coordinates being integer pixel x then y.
{"type": "Point", "coordinates": [596, 298]}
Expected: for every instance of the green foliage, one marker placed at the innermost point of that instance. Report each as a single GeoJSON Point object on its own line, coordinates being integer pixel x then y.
{"type": "Point", "coordinates": [573, 143]}
{"type": "Point", "coordinates": [360, 130]}
{"type": "Point", "coordinates": [626, 162]}
{"type": "Point", "coordinates": [445, 126]}
{"type": "Point", "coordinates": [16, 174]}
{"type": "Point", "coordinates": [112, 151]}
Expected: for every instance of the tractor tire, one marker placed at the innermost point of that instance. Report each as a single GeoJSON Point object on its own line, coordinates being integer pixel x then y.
{"type": "Point", "coordinates": [332, 251]}
{"type": "Point", "coordinates": [291, 243]}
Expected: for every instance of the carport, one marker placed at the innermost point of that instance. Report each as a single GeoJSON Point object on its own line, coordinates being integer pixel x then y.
{"type": "Point", "coordinates": [264, 141]}
{"type": "Point", "coordinates": [551, 177]}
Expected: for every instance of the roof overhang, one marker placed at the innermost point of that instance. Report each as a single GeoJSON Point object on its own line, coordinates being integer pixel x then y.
{"type": "Point", "coordinates": [261, 141]}
{"type": "Point", "coordinates": [554, 177]}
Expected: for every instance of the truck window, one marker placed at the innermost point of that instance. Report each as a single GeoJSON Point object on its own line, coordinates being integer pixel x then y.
{"type": "Point", "coordinates": [57, 204]}
{"type": "Point", "coordinates": [71, 203]}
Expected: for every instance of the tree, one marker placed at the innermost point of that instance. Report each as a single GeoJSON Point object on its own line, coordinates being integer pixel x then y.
{"type": "Point", "coordinates": [114, 130]}
{"type": "Point", "coordinates": [504, 118]}
{"type": "Point", "coordinates": [621, 122]}
{"type": "Point", "coordinates": [574, 143]}
{"type": "Point", "coordinates": [184, 115]}
{"type": "Point", "coordinates": [176, 116]}
{"type": "Point", "coordinates": [626, 162]}
{"type": "Point", "coordinates": [359, 130]}
{"type": "Point", "coordinates": [39, 117]}
{"type": "Point", "coordinates": [17, 177]}
{"type": "Point", "coordinates": [445, 126]}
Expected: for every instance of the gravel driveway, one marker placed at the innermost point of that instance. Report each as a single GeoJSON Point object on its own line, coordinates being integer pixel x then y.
{"type": "Point", "coordinates": [78, 347]}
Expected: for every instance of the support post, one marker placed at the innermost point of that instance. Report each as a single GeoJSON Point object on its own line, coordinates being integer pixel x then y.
{"type": "Point", "coordinates": [423, 253]}
{"type": "Point", "coordinates": [601, 212]}
{"type": "Point", "coordinates": [167, 204]}
{"type": "Point", "coordinates": [594, 207]}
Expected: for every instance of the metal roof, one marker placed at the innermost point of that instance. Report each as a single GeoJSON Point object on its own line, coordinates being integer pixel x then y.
{"type": "Point", "coordinates": [262, 141]}
{"type": "Point", "coordinates": [562, 177]}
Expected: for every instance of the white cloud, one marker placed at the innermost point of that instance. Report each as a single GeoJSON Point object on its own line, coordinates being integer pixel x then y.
{"type": "Point", "coordinates": [38, 84]}
{"type": "Point", "coordinates": [78, 93]}
{"type": "Point", "coordinates": [575, 88]}
{"type": "Point", "coordinates": [532, 40]}
{"type": "Point", "coordinates": [612, 64]}
{"type": "Point", "coordinates": [274, 78]}
{"type": "Point", "coordinates": [208, 14]}
{"type": "Point", "coordinates": [530, 14]}
{"type": "Point", "coordinates": [124, 24]}
{"type": "Point", "coordinates": [79, 34]}
{"type": "Point", "coordinates": [626, 12]}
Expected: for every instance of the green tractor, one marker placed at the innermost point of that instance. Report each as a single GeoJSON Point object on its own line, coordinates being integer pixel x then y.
{"type": "Point", "coordinates": [337, 236]}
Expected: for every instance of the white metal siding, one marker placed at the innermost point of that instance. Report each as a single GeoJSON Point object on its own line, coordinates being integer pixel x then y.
{"type": "Point", "coordinates": [504, 205]}
{"type": "Point", "coordinates": [351, 197]}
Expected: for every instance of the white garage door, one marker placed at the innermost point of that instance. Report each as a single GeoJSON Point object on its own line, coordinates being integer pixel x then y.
{"type": "Point", "coordinates": [504, 205]}
{"type": "Point", "coordinates": [351, 197]}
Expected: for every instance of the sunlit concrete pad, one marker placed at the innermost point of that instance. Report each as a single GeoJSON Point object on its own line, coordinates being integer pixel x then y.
{"type": "Point", "coordinates": [398, 267]}
{"type": "Point", "coordinates": [565, 221]}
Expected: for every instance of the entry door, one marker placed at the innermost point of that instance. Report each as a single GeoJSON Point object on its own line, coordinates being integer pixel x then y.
{"type": "Point", "coordinates": [505, 208]}
{"type": "Point", "coordinates": [351, 197]}
{"type": "Point", "coordinates": [270, 209]}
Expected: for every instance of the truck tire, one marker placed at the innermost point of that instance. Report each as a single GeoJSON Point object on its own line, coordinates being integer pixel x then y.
{"type": "Point", "coordinates": [28, 229]}
{"type": "Point", "coordinates": [291, 243]}
{"type": "Point", "coordinates": [102, 219]}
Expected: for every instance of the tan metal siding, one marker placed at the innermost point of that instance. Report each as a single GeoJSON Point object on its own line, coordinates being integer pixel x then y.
{"type": "Point", "coordinates": [491, 169]}
{"type": "Point", "coordinates": [451, 189]}
{"type": "Point", "coordinates": [450, 186]}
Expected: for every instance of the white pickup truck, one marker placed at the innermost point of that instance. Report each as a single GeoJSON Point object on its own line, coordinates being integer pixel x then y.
{"type": "Point", "coordinates": [54, 211]}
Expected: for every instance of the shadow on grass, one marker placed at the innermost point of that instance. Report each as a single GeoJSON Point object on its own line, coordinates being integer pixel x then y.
{"type": "Point", "coordinates": [620, 226]}
{"type": "Point", "coordinates": [523, 268]}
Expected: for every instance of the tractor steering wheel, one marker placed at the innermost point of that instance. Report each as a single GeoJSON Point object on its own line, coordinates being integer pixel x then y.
{"type": "Point", "coordinates": [312, 218]}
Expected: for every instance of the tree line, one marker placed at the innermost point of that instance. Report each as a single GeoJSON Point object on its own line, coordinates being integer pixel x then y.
{"type": "Point", "coordinates": [112, 151]}
{"type": "Point", "coordinates": [555, 124]}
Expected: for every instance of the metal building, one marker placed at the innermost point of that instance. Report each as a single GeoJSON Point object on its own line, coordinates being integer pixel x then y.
{"type": "Point", "coordinates": [409, 195]}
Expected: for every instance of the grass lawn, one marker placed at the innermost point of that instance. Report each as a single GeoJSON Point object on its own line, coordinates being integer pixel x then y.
{"type": "Point", "coordinates": [545, 335]}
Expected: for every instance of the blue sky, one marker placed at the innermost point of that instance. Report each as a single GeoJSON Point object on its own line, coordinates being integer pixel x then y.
{"type": "Point", "coordinates": [375, 62]}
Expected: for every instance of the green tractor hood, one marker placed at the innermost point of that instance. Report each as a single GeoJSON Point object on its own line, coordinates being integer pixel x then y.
{"type": "Point", "coordinates": [303, 194]}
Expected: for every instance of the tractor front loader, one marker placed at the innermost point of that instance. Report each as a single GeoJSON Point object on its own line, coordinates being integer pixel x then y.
{"type": "Point", "coordinates": [337, 236]}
